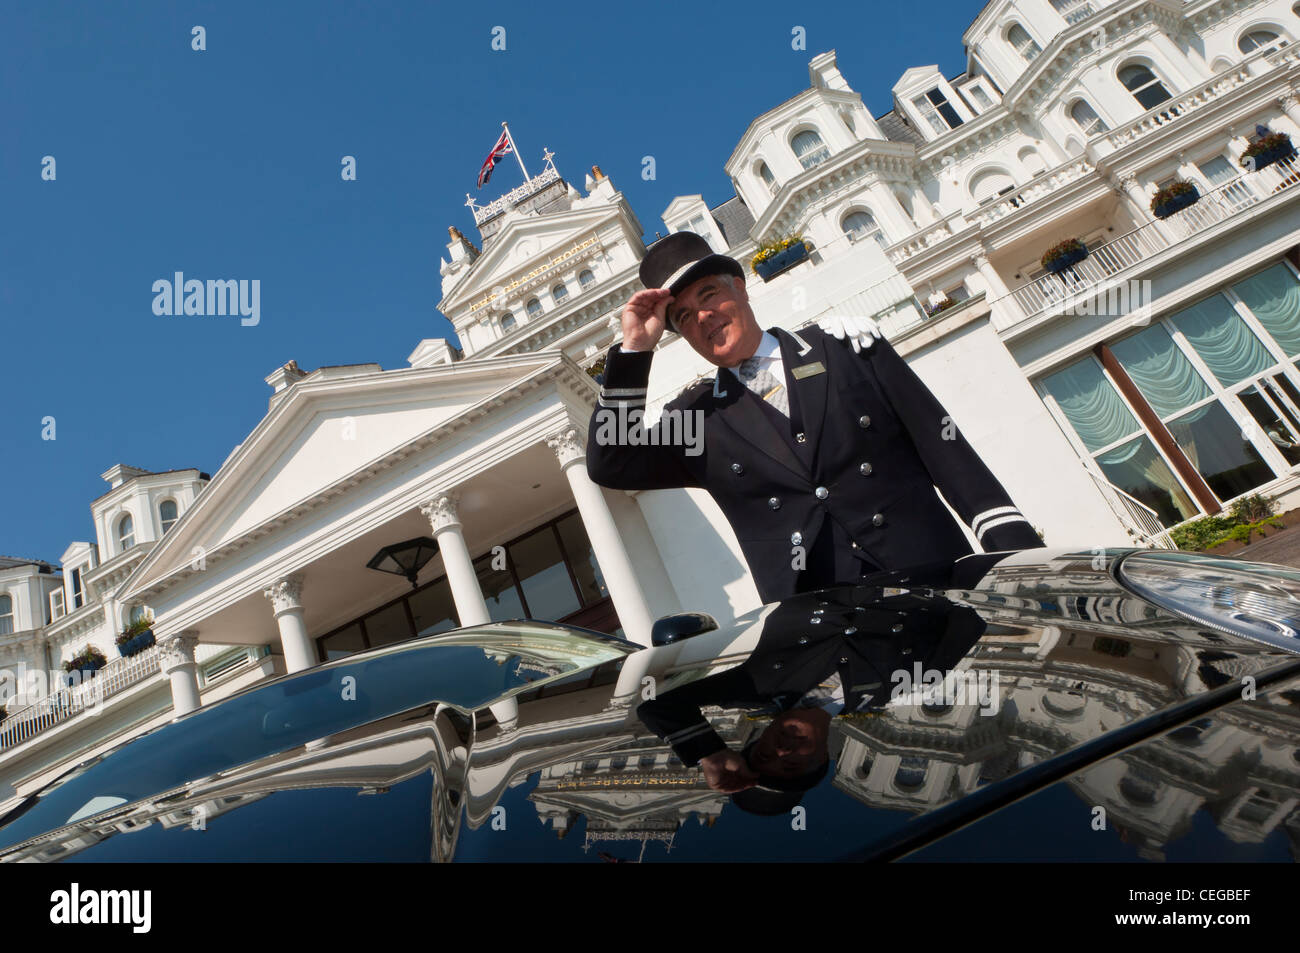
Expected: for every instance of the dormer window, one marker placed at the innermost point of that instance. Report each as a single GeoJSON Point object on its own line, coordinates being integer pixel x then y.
{"type": "Point", "coordinates": [768, 177]}
{"type": "Point", "coordinates": [560, 292]}
{"type": "Point", "coordinates": [57, 610]}
{"type": "Point", "coordinates": [125, 533]}
{"type": "Point", "coordinates": [534, 308]}
{"type": "Point", "coordinates": [1086, 118]}
{"type": "Point", "coordinates": [6, 615]}
{"type": "Point", "coordinates": [586, 279]}
{"type": "Point", "coordinates": [699, 227]}
{"type": "Point", "coordinates": [167, 515]}
{"type": "Point", "coordinates": [507, 322]}
{"type": "Point", "coordinates": [809, 148]}
{"type": "Point", "coordinates": [78, 599]}
{"type": "Point", "coordinates": [982, 99]}
{"type": "Point", "coordinates": [937, 111]}
{"type": "Point", "coordinates": [1023, 43]}
{"type": "Point", "coordinates": [1144, 85]}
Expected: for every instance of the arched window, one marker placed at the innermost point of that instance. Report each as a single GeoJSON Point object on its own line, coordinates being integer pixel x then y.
{"type": "Point", "coordinates": [809, 148]}
{"type": "Point", "coordinates": [860, 224]}
{"type": "Point", "coordinates": [768, 177]}
{"type": "Point", "coordinates": [560, 292]}
{"type": "Point", "coordinates": [585, 278]}
{"type": "Point", "coordinates": [1086, 118]}
{"type": "Point", "coordinates": [125, 533]}
{"type": "Point", "coordinates": [1024, 44]}
{"type": "Point", "coordinates": [1258, 40]}
{"type": "Point", "coordinates": [534, 308]}
{"type": "Point", "coordinates": [507, 321]}
{"type": "Point", "coordinates": [6, 615]}
{"type": "Point", "coordinates": [1144, 85]}
{"type": "Point", "coordinates": [167, 514]}
{"type": "Point", "coordinates": [990, 184]}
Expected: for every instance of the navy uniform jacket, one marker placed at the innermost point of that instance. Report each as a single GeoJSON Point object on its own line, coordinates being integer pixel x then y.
{"type": "Point", "coordinates": [847, 485]}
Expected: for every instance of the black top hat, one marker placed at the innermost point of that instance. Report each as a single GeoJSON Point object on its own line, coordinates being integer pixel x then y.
{"type": "Point", "coordinates": [682, 258]}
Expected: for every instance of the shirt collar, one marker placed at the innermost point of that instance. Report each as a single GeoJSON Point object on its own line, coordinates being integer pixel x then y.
{"type": "Point", "coordinates": [769, 349]}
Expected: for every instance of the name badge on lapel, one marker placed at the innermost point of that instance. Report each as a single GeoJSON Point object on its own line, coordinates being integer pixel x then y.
{"type": "Point", "coordinates": [808, 370]}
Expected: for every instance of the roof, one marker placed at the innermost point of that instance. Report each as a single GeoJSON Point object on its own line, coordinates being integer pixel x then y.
{"type": "Point", "coordinates": [150, 473]}
{"type": "Point", "coordinates": [734, 219]}
{"type": "Point", "coordinates": [897, 129]}
{"type": "Point", "coordinates": [13, 562]}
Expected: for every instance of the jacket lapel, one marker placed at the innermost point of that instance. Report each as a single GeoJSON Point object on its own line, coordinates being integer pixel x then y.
{"type": "Point", "coordinates": [740, 411]}
{"type": "Point", "coordinates": [809, 392]}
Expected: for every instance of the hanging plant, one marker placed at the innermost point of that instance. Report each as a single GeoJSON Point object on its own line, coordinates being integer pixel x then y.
{"type": "Point", "coordinates": [932, 309]}
{"type": "Point", "coordinates": [778, 255]}
{"type": "Point", "coordinates": [1064, 255]}
{"type": "Point", "coordinates": [1177, 196]}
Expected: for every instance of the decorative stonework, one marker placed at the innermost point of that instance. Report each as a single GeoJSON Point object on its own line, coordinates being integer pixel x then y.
{"type": "Point", "coordinates": [568, 446]}
{"type": "Point", "coordinates": [177, 651]}
{"type": "Point", "coordinates": [441, 511]}
{"type": "Point", "coordinates": [285, 594]}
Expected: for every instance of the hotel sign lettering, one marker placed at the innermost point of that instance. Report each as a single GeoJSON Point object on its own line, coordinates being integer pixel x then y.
{"type": "Point", "coordinates": [524, 279]}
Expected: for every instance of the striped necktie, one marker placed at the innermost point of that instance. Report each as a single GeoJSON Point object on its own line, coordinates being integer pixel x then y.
{"type": "Point", "coordinates": [764, 383]}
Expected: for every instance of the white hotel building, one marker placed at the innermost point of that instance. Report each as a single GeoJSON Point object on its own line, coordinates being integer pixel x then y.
{"type": "Point", "coordinates": [1105, 428]}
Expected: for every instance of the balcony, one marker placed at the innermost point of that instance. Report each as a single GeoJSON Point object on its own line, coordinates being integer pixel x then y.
{"type": "Point", "coordinates": [117, 676]}
{"type": "Point", "coordinates": [1037, 187]}
{"type": "Point", "coordinates": [1105, 262]}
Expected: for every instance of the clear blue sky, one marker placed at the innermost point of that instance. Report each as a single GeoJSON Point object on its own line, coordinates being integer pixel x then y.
{"type": "Point", "coordinates": [225, 164]}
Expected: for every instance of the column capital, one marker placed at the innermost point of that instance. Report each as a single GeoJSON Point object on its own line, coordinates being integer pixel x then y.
{"type": "Point", "coordinates": [1289, 100]}
{"type": "Point", "coordinates": [177, 651]}
{"type": "Point", "coordinates": [441, 511]}
{"type": "Point", "coordinates": [1129, 183]}
{"type": "Point", "coordinates": [568, 446]}
{"type": "Point", "coordinates": [285, 593]}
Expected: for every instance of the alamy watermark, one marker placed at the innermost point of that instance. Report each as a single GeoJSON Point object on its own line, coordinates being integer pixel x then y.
{"type": "Point", "coordinates": [211, 298]}
{"type": "Point", "coordinates": [918, 686]}
{"type": "Point", "coordinates": [677, 427]}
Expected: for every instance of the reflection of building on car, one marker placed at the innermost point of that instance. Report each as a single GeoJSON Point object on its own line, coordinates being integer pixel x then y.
{"type": "Point", "coordinates": [1082, 659]}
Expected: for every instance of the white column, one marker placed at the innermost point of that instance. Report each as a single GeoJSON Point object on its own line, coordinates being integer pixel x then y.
{"type": "Point", "coordinates": [1290, 104]}
{"type": "Point", "coordinates": [602, 531]}
{"type": "Point", "coordinates": [286, 596]}
{"type": "Point", "coordinates": [471, 607]}
{"type": "Point", "coordinates": [465, 592]}
{"type": "Point", "coordinates": [176, 659]}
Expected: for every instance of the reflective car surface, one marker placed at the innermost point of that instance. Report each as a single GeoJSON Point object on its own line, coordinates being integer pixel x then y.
{"type": "Point", "coordinates": [1104, 705]}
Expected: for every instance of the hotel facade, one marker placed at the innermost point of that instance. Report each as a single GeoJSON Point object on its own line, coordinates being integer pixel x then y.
{"type": "Point", "coordinates": [1151, 382]}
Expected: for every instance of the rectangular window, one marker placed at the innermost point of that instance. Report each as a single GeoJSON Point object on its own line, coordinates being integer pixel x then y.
{"type": "Point", "coordinates": [390, 624]}
{"type": "Point", "coordinates": [938, 112]}
{"type": "Point", "coordinates": [433, 608]}
{"type": "Point", "coordinates": [56, 605]}
{"type": "Point", "coordinates": [499, 591]}
{"type": "Point", "coordinates": [548, 587]}
{"type": "Point", "coordinates": [343, 642]}
{"type": "Point", "coordinates": [76, 589]}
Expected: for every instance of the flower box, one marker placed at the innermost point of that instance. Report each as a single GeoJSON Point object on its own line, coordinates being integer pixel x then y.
{"type": "Point", "coordinates": [769, 265]}
{"type": "Point", "coordinates": [85, 663]}
{"type": "Point", "coordinates": [1175, 198]}
{"type": "Point", "coordinates": [136, 643]}
{"type": "Point", "coordinates": [1065, 255]}
{"type": "Point", "coordinates": [1267, 149]}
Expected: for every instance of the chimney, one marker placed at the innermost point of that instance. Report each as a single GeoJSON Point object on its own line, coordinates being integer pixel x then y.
{"type": "Point", "coordinates": [283, 377]}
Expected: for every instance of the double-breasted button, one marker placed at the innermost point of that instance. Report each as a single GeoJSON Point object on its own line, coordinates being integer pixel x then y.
{"type": "Point", "coordinates": [796, 538]}
{"type": "Point", "coordinates": [774, 503]}
{"type": "Point", "coordinates": [865, 469]}
{"type": "Point", "coordinates": [850, 630]}
{"type": "Point", "coordinates": [896, 627]}
{"type": "Point", "coordinates": [844, 660]}
{"type": "Point", "coordinates": [802, 438]}
{"type": "Point", "coordinates": [864, 421]}
{"type": "Point", "coordinates": [815, 620]}
{"type": "Point", "coordinates": [878, 520]}
{"type": "Point", "coordinates": [737, 469]}
{"type": "Point", "coordinates": [855, 545]}
{"type": "Point", "coordinates": [821, 492]}
{"type": "Point", "coordinates": [776, 664]}
{"type": "Point", "coordinates": [803, 640]}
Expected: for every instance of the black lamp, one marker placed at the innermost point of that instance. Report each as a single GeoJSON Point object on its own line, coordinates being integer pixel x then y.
{"type": "Point", "coordinates": [405, 559]}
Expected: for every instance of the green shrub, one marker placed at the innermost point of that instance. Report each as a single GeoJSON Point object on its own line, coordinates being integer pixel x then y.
{"type": "Point", "coordinates": [1252, 509]}
{"type": "Point", "coordinates": [1201, 533]}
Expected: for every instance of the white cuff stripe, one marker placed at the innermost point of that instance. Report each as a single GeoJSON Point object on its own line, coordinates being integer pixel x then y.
{"type": "Point", "coordinates": [622, 391]}
{"type": "Point", "coordinates": [621, 402]}
{"type": "Point", "coordinates": [989, 514]}
{"type": "Point", "coordinates": [1000, 521]}
{"type": "Point", "coordinates": [687, 733]}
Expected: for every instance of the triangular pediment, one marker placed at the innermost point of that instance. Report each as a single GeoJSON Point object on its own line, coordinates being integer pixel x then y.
{"type": "Point", "coordinates": [321, 436]}
{"type": "Point", "coordinates": [526, 244]}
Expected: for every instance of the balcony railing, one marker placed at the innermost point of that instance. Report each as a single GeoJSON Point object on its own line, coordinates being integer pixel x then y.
{"type": "Point", "coordinates": [1140, 520]}
{"type": "Point", "coordinates": [1172, 109]}
{"type": "Point", "coordinates": [1106, 261]}
{"type": "Point", "coordinates": [57, 707]}
{"type": "Point", "coordinates": [1036, 188]}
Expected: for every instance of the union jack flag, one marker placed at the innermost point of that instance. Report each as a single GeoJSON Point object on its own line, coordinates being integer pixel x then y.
{"type": "Point", "coordinates": [502, 148]}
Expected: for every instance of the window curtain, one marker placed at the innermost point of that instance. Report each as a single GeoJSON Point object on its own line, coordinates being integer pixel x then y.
{"type": "Point", "coordinates": [1273, 297]}
{"type": "Point", "coordinates": [1136, 468]}
{"type": "Point", "coordinates": [1223, 340]}
{"type": "Point", "coordinates": [1091, 404]}
{"type": "Point", "coordinates": [1161, 372]}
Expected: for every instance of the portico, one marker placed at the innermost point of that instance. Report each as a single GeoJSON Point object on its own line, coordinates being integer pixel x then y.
{"type": "Point", "coordinates": [275, 550]}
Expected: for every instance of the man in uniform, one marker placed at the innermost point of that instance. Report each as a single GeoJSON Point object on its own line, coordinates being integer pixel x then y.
{"type": "Point", "coordinates": [822, 448]}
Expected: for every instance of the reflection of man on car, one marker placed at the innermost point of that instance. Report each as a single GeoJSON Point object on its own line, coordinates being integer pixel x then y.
{"type": "Point", "coordinates": [820, 655]}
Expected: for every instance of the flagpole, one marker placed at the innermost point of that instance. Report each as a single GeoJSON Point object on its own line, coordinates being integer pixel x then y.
{"type": "Point", "coordinates": [515, 149]}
